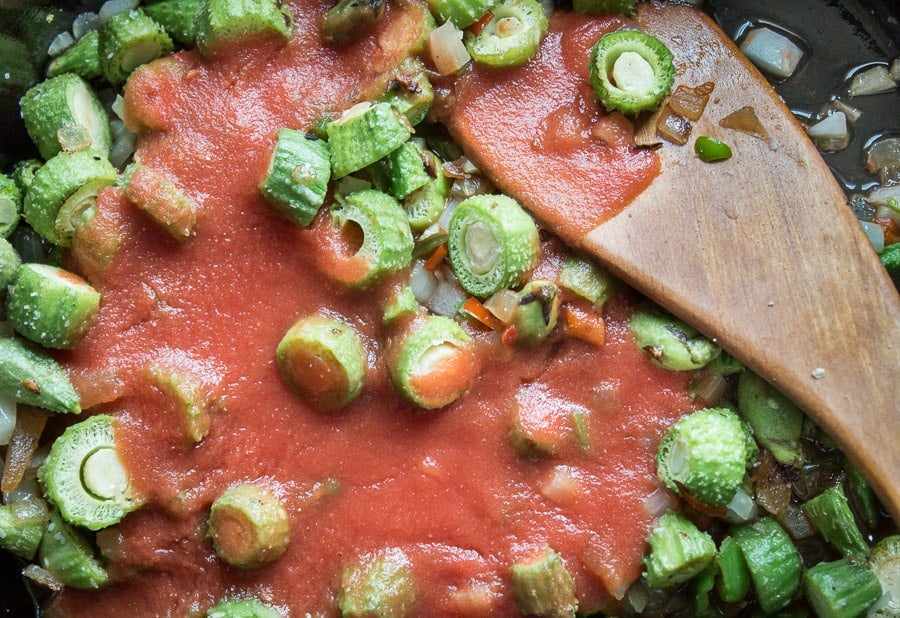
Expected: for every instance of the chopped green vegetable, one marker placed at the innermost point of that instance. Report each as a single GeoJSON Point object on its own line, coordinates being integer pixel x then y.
{"type": "Point", "coordinates": [678, 551]}
{"type": "Point", "coordinates": [493, 242]}
{"type": "Point", "coordinates": [69, 557]}
{"type": "Point", "coordinates": [600, 7]}
{"type": "Point", "coordinates": [84, 476]}
{"type": "Point", "coordinates": [511, 37]}
{"type": "Point", "coordinates": [364, 134]}
{"type": "Point", "coordinates": [191, 397]}
{"type": "Point", "coordinates": [705, 454]}
{"type": "Point", "coordinates": [322, 359]}
{"type": "Point", "coordinates": [224, 22]}
{"type": "Point", "coordinates": [10, 205]}
{"type": "Point", "coordinates": [587, 280]}
{"type": "Point", "coordinates": [378, 584]}
{"type": "Point", "coordinates": [249, 526]}
{"type": "Point", "coordinates": [772, 560]}
{"type": "Point", "coordinates": [409, 91]}
{"type": "Point", "coordinates": [21, 537]}
{"type": "Point", "coordinates": [535, 315]}
{"type": "Point", "coordinates": [51, 306]}
{"type": "Point", "coordinates": [776, 422]}
{"type": "Point", "coordinates": [82, 59]}
{"type": "Point", "coordinates": [830, 513]}
{"type": "Point", "coordinates": [29, 375]}
{"type": "Point", "coordinates": [631, 71]}
{"type": "Point", "coordinates": [542, 586]}
{"type": "Point", "coordinates": [297, 178]}
{"type": "Point", "coordinates": [348, 20]}
{"type": "Point", "coordinates": [463, 13]}
{"type": "Point", "coordinates": [432, 363]}
{"type": "Point", "coordinates": [710, 149]}
{"type": "Point", "coordinates": [177, 17]}
{"type": "Point", "coordinates": [425, 205]}
{"type": "Point", "coordinates": [9, 264]}
{"type": "Point", "coordinates": [861, 496]}
{"type": "Point", "coordinates": [64, 114]}
{"type": "Point", "coordinates": [733, 581]}
{"type": "Point", "coordinates": [63, 193]}
{"type": "Point", "coordinates": [408, 171]}
{"type": "Point", "coordinates": [671, 343]}
{"type": "Point", "coordinates": [127, 41]}
{"type": "Point", "coordinates": [890, 259]}
{"type": "Point", "coordinates": [885, 562]}
{"type": "Point", "coordinates": [401, 305]}
{"type": "Point", "coordinates": [387, 241]}
{"type": "Point", "coordinates": [158, 196]}
{"type": "Point", "coordinates": [23, 172]}
{"type": "Point", "coordinates": [841, 589]}
{"type": "Point", "coordinates": [242, 608]}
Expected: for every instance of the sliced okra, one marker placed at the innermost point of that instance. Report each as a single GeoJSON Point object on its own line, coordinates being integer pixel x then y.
{"type": "Point", "coordinates": [631, 71]}
{"type": "Point", "coordinates": [587, 280]}
{"type": "Point", "coordinates": [536, 313]}
{"type": "Point", "coordinates": [176, 17]}
{"type": "Point", "coordinates": [842, 588]}
{"type": "Point", "coordinates": [364, 134]}
{"type": "Point", "coordinates": [129, 40]}
{"type": "Point", "coordinates": [50, 305]}
{"type": "Point", "coordinates": [671, 343]}
{"type": "Point", "coordinates": [297, 177]}
{"type": "Point", "coordinates": [425, 205]}
{"type": "Point", "coordinates": [511, 37]}
{"type": "Point", "coordinates": [772, 560]}
{"type": "Point", "coordinates": [20, 536]}
{"type": "Point", "coordinates": [158, 196]}
{"type": "Point", "coordinates": [463, 13]}
{"type": "Point", "coordinates": [602, 7]}
{"type": "Point", "coordinates": [542, 586]}
{"type": "Point", "coordinates": [31, 376]}
{"type": "Point", "coordinates": [68, 556]}
{"type": "Point", "coordinates": [82, 59]}
{"type": "Point", "coordinates": [249, 526]}
{"type": "Point", "coordinates": [10, 205]}
{"type": "Point", "coordinates": [64, 114]}
{"type": "Point", "coordinates": [378, 584]}
{"type": "Point", "coordinates": [223, 22]}
{"type": "Point", "coordinates": [348, 20]}
{"type": "Point", "coordinates": [410, 91]}
{"type": "Point", "coordinates": [777, 423]}
{"type": "Point", "coordinates": [678, 551]}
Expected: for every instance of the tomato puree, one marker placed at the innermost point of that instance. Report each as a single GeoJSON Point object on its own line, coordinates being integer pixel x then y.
{"type": "Point", "coordinates": [539, 133]}
{"type": "Point", "coordinates": [444, 486]}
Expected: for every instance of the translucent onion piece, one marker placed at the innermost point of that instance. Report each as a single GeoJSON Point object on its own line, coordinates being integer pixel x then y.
{"type": "Point", "coordinates": [691, 102]}
{"type": "Point", "coordinates": [502, 305]}
{"type": "Point", "coordinates": [7, 419]}
{"type": "Point", "coordinates": [111, 8]}
{"type": "Point", "coordinates": [831, 133]}
{"type": "Point", "coordinates": [84, 23]}
{"type": "Point", "coordinates": [741, 508]}
{"type": "Point", "coordinates": [874, 80]}
{"type": "Point", "coordinates": [853, 113]}
{"type": "Point", "coordinates": [22, 445]}
{"type": "Point", "coordinates": [422, 282]}
{"type": "Point", "coordinates": [60, 43]}
{"type": "Point", "coordinates": [448, 52]}
{"type": "Point", "coordinates": [746, 121]}
{"type": "Point", "coordinates": [881, 196]}
{"type": "Point", "coordinates": [772, 52]}
{"type": "Point", "coordinates": [447, 298]}
{"type": "Point", "coordinates": [673, 127]}
{"type": "Point", "coordinates": [895, 70]}
{"type": "Point", "coordinates": [883, 154]}
{"type": "Point", "coordinates": [43, 577]}
{"type": "Point", "coordinates": [710, 388]}
{"type": "Point", "coordinates": [875, 234]}
{"type": "Point", "coordinates": [563, 486]}
{"type": "Point", "coordinates": [658, 502]}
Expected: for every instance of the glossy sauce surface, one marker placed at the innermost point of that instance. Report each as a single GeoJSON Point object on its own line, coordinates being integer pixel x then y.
{"type": "Point", "coordinates": [445, 486]}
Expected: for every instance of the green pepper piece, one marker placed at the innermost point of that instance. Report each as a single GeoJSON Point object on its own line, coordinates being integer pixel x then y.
{"type": "Point", "coordinates": [710, 149]}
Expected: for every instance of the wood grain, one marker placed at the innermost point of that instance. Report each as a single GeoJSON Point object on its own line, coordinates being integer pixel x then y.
{"type": "Point", "coordinates": [763, 253]}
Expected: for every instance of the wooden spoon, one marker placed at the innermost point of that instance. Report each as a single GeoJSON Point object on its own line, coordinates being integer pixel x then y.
{"type": "Point", "coordinates": [760, 252]}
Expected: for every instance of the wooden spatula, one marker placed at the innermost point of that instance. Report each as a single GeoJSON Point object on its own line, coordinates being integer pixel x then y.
{"type": "Point", "coordinates": [760, 252]}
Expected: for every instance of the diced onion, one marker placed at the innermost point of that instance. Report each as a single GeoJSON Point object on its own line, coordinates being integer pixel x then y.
{"type": "Point", "coordinates": [772, 52]}
{"type": "Point", "coordinates": [422, 282]}
{"type": "Point", "coordinates": [111, 8]}
{"type": "Point", "coordinates": [447, 298]}
{"type": "Point", "coordinates": [882, 195]}
{"type": "Point", "coordinates": [673, 127]}
{"type": "Point", "coordinates": [448, 52]}
{"type": "Point", "coordinates": [60, 43]}
{"type": "Point", "coordinates": [502, 305]}
{"type": "Point", "coordinates": [741, 508]}
{"type": "Point", "coordinates": [831, 133]}
{"type": "Point", "coordinates": [124, 141]}
{"type": "Point", "coordinates": [874, 80]}
{"type": "Point", "coordinates": [883, 154]}
{"type": "Point", "coordinates": [852, 113]}
{"type": "Point", "coordinates": [84, 23]}
{"type": "Point", "coordinates": [895, 70]}
{"type": "Point", "coordinates": [691, 102]}
{"type": "Point", "coordinates": [7, 419]}
{"type": "Point", "coordinates": [710, 388]}
{"type": "Point", "coordinates": [43, 577]}
{"type": "Point", "coordinates": [746, 121]}
{"type": "Point", "coordinates": [875, 233]}
{"type": "Point", "coordinates": [563, 485]}
{"type": "Point", "coordinates": [658, 502]}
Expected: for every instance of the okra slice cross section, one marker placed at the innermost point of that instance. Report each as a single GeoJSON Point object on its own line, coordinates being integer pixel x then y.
{"type": "Point", "coordinates": [492, 243]}
{"type": "Point", "coordinates": [31, 376]}
{"type": "Point", "coordinates": [511, 37]}
{"type": "Point", "coordinates": [377, 584]}
{"type": "Point", "coordinates": [63, 193]}
{"type": "Point", "coordinates": [129, 40]}
{"type": "Point", "coordinates": [322, 359]}
{"type": "Point", "coordinates": [432, 362]}
{"type": "Point", "coordinates": [631, 71]}
{"type": "Point", "coordinates": [364, 134]}
{"type": "Point", "coordinates": [542, 586]}
{"type": "Point", "coordinates": [84, 476]}
{"type": "Point", "coordinates": [386, 239]}
{"type": "Point", "coordinates": [249, 526]}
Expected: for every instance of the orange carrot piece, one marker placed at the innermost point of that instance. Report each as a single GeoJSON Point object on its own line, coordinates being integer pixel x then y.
{"type": "Point", "coordinates": [434, 261]}
{"type": "Point", "coordinates": [481, 314]}
{"type": "Point", "coordinates": [585, 324]}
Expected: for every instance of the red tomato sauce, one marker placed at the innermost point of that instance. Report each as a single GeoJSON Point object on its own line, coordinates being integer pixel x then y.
{"type": "Point", "coordinates": [445, 486]}
{"type": "Point", "coordinates": [535, 131]}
